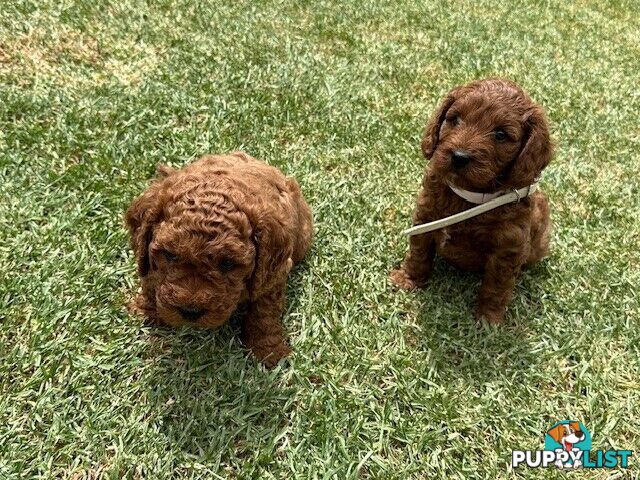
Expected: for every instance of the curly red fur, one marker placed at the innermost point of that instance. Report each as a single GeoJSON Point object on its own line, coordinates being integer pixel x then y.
{"type": "Point", "coordinates": [222, 232]}
{"type": "Point", "coordinates": [500, 242]}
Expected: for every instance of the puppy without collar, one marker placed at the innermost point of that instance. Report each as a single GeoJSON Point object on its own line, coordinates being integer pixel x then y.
{"type": "Point", "coordinates": [219, 233]}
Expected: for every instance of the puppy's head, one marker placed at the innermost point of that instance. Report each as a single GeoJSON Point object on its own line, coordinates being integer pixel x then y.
{"type": "Point", "coordinates": [488, 135]}
{"type": "Point", "coordinates": [197, 249]}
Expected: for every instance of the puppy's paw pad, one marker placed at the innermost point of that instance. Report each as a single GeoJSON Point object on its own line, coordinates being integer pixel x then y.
{"type": "Point", "coordinates": [402, 280]}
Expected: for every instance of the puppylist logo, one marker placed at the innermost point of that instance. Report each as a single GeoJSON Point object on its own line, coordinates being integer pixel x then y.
{"type": "Point", "coordinates": [567, 445]}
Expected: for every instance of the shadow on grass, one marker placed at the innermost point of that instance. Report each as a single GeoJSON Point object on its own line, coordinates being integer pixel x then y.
{"type": "Point", "coordinates": [211, 397]}
{"type": "Point", "coordinates": [213, 400]}
{"type": "Point", "coordinates": [463, 348]}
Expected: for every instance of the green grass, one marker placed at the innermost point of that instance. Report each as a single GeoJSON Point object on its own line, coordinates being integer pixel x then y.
{"type": "Point", "coordinates": [382, 384]}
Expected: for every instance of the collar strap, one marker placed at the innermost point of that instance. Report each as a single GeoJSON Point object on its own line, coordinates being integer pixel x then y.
{"type": "Point", "coordinates": [502, 198]}
{"type": "Point", "coordinates": [475, 197]}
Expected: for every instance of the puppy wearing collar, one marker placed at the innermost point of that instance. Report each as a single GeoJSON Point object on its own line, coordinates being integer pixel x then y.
{"type": "Point", "coordinates": [486, 138]}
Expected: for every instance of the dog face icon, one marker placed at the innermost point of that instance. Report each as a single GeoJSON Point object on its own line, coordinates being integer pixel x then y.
{"type": "Point", "coordinates": [567, 434]}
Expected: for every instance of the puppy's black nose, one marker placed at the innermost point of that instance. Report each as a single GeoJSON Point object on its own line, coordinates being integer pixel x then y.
{"type": "Point", "coordinates": [460, 158]}
{"type": "Point", "coordinates": [190, 313]}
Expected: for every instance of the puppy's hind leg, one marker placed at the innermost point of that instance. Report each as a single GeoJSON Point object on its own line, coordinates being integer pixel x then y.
{"type": "Point", "coordinates": [540, 230]}
{"type": "Point", "coordinates": [304, 223]}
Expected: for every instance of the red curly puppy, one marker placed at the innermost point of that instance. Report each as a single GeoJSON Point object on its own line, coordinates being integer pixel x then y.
{"type": "Point", "coordinates": [222, 232]}
{"type": "Point", "coordinates": [487, 136]}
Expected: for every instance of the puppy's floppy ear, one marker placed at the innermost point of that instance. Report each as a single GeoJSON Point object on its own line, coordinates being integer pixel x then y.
{"type": "Point", "coordinates": [536, 151]}
{"type": "Point", "coordinates": [274, 249]}
{"type": "Point", "coordinates": [140, 218]}
{"type": "Point", "coordinates": [432, 131]}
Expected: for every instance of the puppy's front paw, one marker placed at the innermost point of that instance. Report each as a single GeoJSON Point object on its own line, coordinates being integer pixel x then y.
{"type": "Point", "coordinates": [483, 314]}
{"type": "Point", "coordinates": [136, 306]}
{"type": "Point", "coordinates": [401, 279]}
{"type": "Point", "coordinates": [270, 355]}
{"type": "Point", "coordinates": [140, 306]}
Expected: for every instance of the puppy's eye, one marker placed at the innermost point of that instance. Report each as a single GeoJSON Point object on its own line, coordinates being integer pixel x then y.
{"type": "Point", "coordinates": [454, 120]}
{"type": "Point", "coordinates": [171, 257]}
{"type": "Point", "coordinates": [500, 135]}
{"type": "Point", "coordinates": [226, 265]}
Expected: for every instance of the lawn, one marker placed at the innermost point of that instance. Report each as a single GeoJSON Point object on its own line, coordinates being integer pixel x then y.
{"type": "Point", "coordinates": [382, 384]}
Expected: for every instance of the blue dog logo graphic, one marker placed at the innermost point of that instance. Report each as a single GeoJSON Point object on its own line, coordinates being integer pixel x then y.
{"type": "Point", "coordinates": [571, 437]}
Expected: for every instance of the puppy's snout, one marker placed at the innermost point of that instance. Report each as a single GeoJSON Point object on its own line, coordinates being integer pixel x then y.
{"type": "Point", "coordinates": [460, 158]}
{"type": "Point", "coordinates": [191, 314]}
